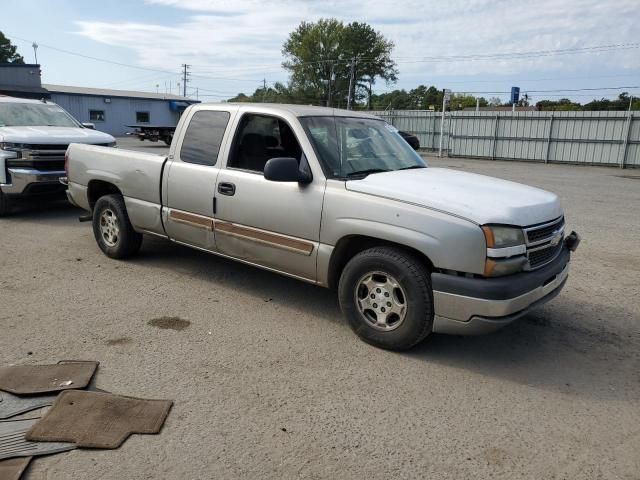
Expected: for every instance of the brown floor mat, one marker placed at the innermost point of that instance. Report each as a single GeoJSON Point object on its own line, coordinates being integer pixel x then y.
{"type": "Point", "coordinates": [99, 420]}
{"type": "Point", "coordinates": [32, 379]}
{"type": "Point", "coordinates": [13, 468]}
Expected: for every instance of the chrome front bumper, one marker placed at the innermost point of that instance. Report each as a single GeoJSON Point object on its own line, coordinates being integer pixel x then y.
{"type": "Point", "coordinates": [23, 179]}
{"type": "Point", "coordinates": [464, 314]}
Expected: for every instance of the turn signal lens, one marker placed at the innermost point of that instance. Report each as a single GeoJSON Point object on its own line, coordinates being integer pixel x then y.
{"type": "Point", "coordinates": [507, 266]}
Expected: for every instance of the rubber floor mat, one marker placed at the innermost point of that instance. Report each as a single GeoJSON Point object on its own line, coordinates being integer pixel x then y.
{"type": "Point", "coordinates": [13, 468]}
{"type": "Point", "coordinates": [32, 379]}
{"type": "Point", "coordinates": [99, 420]}
{"type": "Point", "coordinates": [14, 444]}
{"type": "Point", "coordinates": [11, 405]}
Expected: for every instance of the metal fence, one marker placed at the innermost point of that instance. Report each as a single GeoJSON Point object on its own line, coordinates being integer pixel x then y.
{"type": "Point", "coordinates": [587, 138]}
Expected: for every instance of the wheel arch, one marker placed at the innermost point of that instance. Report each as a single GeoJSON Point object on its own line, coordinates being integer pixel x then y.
{"type": "Point", "coordinates": [349, 246]}
{"type": "Point", "coordinates": [100, 188]}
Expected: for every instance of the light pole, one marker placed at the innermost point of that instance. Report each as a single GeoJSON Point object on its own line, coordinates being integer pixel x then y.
{"type": "Point", "coordinates": [35, 51]}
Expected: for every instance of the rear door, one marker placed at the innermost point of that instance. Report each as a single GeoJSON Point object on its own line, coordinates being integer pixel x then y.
{"type": "Point", "coordinates": [191, 177]}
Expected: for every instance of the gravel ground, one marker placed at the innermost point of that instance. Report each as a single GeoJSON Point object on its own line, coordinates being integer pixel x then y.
{"type": "Point", "coordinates": [269, 382]}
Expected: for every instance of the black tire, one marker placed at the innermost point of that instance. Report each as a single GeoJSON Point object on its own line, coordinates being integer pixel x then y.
{"type": "Point", "coordinates": [415, 294]}
{"type": "Point", "coordinates": [5, 205]}
{"type": "Point", "coordinates": [121, 241]}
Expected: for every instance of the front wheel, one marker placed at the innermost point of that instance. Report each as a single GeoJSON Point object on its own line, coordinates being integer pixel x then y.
{"type": "Point", "coordinates": [112, 228]}
{"type": "Point", "coordinates": [385, 294]}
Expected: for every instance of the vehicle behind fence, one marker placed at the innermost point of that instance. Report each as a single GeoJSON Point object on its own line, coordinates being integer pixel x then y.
{"type": "Point", "coordinates": [589, 138]}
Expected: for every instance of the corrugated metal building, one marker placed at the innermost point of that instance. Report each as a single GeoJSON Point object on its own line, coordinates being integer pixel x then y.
{"type": "Point", "coordinates": [109, 110]}
{"type": "Point", "coordinates": [112, 110]}
{"type": "Point", "coordinates": [21, 81]}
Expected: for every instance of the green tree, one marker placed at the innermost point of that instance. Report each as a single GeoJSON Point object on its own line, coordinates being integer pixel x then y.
{"type": "Point", "coordinates": [8, 53]}
{"type": "Point", "coordinates": [564, 104]}
{"type": "Point", "coordinates": [462, 101]}
{"type": "Point", "coordinates": [320, 57]}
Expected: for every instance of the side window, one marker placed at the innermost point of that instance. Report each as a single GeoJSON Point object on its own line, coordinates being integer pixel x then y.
{"type": "Point", "coordinates": [142, 117]}
{"type": "Point", "coordinates": [260, 138]}
{"type": "Point", "coordinates": [201, 143]}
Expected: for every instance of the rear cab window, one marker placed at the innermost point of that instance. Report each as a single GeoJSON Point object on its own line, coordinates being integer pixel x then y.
{"type": "Point", "coordinates": [202, 140]}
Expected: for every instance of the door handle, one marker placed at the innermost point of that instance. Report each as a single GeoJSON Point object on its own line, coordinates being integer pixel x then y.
{"type": "Point", "coordinates": [226, 188]}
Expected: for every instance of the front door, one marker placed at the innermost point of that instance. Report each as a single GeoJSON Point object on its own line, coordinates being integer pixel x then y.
{"type": "Point", "coordinates": [191, 179]}
{"type": "Point", "coordinates": [273, 224]}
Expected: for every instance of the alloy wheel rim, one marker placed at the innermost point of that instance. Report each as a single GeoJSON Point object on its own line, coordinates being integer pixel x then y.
{"type": "Point", "coordinates": [109, 228]}
{"type": "Point", "coordinates": [381, 301]}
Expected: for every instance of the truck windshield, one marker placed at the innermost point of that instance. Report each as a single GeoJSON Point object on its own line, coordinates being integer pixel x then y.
{"type": "Point", "coordinates": [34, 115]}
{"type": "Point", "coordinates": [356, 147]}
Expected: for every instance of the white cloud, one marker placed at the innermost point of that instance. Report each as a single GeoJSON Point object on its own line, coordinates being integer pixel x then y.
{"type": "Point", "coordinates": [244, 37]}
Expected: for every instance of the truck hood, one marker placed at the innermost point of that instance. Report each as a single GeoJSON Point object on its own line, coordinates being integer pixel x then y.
{"type": "Point", "coordinates": [477, 198]}
{"type": "Point", "coordinates": [53, 135]}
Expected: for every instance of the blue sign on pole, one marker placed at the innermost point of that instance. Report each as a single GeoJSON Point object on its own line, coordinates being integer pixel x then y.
{"type": "Point", "coordinates": [515, 95]}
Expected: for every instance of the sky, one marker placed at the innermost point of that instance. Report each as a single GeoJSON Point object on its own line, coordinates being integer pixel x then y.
{"type": "Point", "coordinates": [234, 46]}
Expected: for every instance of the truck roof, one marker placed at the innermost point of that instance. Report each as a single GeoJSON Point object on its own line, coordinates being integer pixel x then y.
{"type": "Point", "coordinates": [296, 110]}
{"type": "Point", "coordinates": [8, 99]}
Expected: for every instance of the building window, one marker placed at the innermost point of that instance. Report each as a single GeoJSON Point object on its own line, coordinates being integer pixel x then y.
{"type": "Point", "coordinates": [142, 117]}
{"type": "Point", "coordinates": [96, 115]}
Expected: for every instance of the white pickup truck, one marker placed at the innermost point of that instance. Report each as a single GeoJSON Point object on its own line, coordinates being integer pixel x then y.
{"type": "Point", "coordinates": [338, 199]}
{"type": "Point", "coordinates": [33, 138]}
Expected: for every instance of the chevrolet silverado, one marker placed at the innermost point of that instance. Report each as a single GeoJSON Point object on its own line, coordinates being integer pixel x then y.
{"type": "Point", "coordinates": [336, 198]}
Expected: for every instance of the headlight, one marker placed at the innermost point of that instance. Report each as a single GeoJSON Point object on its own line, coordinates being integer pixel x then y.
{"type": "Point", "coordinates": [12, 147]}
{"type": "Point", "coordinates": [501, 237]}
{"type": "Point", "coordinates": [506, 250]}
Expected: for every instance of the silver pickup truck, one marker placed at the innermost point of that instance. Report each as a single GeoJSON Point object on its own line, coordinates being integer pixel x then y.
{"type": "Point", "coordinates": [338, 199]}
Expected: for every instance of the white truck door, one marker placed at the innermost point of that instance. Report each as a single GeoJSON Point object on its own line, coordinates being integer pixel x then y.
{"type": "Point", "coordinates": [272, 224]}
{"type": "Point", "coordinates": [191, 178]}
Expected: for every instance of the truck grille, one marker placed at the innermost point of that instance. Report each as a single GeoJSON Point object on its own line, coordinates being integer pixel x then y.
{"type": "Point", "coordinates": [42, 157]}
{"type": "Point", "coordinates": [544, 242]}
{"type": "Point", "coordinates": [42, 165]}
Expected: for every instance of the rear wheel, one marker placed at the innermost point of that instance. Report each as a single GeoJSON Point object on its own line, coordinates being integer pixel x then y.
{"type": "Point", "coordinates": [112, 229]}
{"type": "Point", "coordinates": [385, 294]}
{"type": "Point", "coordinates": [5, 206]}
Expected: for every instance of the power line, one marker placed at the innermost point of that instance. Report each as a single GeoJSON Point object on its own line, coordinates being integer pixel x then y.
{"type": "Point", "coordinates": [112, 62]}
{"type": "Point", "coordinates": [503, 55]}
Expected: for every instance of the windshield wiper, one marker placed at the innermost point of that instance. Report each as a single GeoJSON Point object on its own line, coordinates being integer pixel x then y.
{"type": "Point", "coordinates": [412, 167]}
{"type": "Point", "coordinates": [366, 172]}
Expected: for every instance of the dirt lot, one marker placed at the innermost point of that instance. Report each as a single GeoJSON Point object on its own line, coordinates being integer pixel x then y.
{"type": "Point", "coordinates": [269, 382]}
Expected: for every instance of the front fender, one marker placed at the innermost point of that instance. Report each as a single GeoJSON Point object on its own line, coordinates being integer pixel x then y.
{"type": "Point", "coordinates": [450, 242]}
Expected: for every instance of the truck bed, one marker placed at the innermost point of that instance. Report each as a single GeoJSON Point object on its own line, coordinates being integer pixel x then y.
{"type": "Point", "coordinates": [136, 174]}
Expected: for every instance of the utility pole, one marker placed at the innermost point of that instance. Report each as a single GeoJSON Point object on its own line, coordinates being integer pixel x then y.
{"type": "Point", "coordinates": [354, 60]}
{"type": "Point", "coordinates": [446, 94]}
{"type": "Point", "coordinates": [35, 51]}
{"type": "Point", "coordinates": [630, 102]}
{"type": "Point", "coordinates": [185, 79]}
{"type": "Point", "coordinates": [331, 78]}
{"type": "Point", "coordinates": [264, 90]}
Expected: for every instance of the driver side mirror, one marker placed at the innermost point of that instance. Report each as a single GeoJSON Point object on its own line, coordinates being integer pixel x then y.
{"type": "Point", "coordinates": [286, 169]}
{"type": "Point", "coordinates": [92, 126]}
